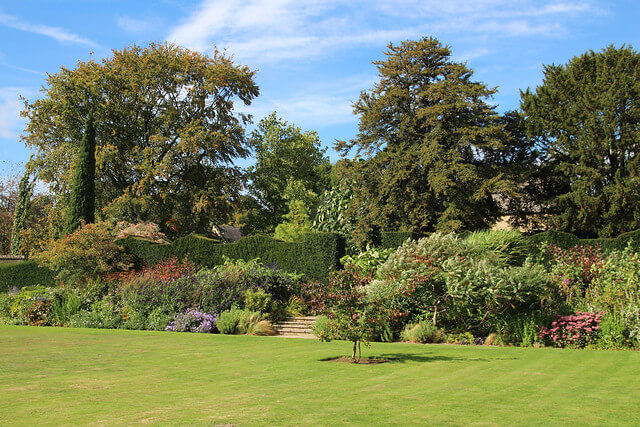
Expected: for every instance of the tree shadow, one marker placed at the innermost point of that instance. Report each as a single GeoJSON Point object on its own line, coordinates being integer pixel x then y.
{"type": "Point", "coordinates": [424, 358]}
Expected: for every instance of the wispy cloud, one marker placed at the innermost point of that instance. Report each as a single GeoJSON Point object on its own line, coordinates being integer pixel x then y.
{"type": "Point", "coordinates": [267, 30]}
{"type": "Point", "coordinates": [26, 70]}
{"type": "Point", "coordinates": [10, 105]}
{"type": "Point", "coordinates": [327, 103]}
{"type": "Point", "coordinates": [56, 33]}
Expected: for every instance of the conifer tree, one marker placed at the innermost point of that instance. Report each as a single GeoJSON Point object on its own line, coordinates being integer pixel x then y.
{"type": "Point", "coordinates": [25, 190]}
{"type": "Point", "coordinates": [585, 116]}
{"type": "Point", "coordinates": [423, 129]}
{"type": "Point", "coordinates": [82, 201]}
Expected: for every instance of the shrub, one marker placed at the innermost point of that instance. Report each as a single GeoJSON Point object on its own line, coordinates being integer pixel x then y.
{"type": "Point", "coordinates": [509, 246]}
{"type": "Point", "coordinates": [84, 255]}
{"type": "Point", "coordinates": [422, 332]}
{"type": "Point", "coordinates": [237, 321]}
{"type": "Point", "coordinates": [170, 268]}
{"type": "Point", "coordinates": [24, 273]}
{"type": "Point", "coordinates": [367, 262]}
{"type": "Point", "coordinates": [617, 285]}
{"type": "Point", "coordinates": [86, 319]}
{"type": "Point", "coordinates": [614, 332]}
{"type": "Point", "coordinates": [576, 330]}
{"type": "Point", "coordinates": [395, 239]}
{"type": "Point", "coordinates": [65, 304]}
{"type": "Point", "coordinates": [257, 300]}
{"type": "Point", "coordinates": [193, 320]}
{"type": "Point", "coordinates": [574, 269]}
{"type": "Point", "coordinates": [322, 328]}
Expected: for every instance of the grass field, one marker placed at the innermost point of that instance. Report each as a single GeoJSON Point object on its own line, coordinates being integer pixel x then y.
{"type": "Point", "coordinates": [70, 376]}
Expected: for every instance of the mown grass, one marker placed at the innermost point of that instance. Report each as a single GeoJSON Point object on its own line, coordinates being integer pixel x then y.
{"type": "Point", "coordinates": [71, 376]}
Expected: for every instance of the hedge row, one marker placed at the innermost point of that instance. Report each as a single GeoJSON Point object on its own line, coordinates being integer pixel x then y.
{"type": "Point", "coordinates": [24, 273]}
{"type": "Point", "coordinates": [395, 239]}
{"type": "Point", "coordinates": [315, 257]}
{"type": "Point", "coordinates": [567, 240]}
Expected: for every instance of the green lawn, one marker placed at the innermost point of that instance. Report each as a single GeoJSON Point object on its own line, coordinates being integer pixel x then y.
{"type": "Point", "coordinates": [59, 375]}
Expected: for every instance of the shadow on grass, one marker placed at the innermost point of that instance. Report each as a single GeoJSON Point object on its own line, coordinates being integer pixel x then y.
{"type": "Point", "coordinates": [423, 358]}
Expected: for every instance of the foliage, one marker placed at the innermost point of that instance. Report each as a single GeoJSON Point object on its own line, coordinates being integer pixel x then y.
{"type": "Point", "coordinates": [354, 316]}
{"type": "Point", "coordinates": [315, 257]}
{"type": "Point", "coordinates": [296, 223]}
{"type": "Point", "coordinates": [616, 286]}
{"type": "Point", "coordinates": [585, 117]}
{"type": "Point", "coordinates": [322, 328]}
{"type": "Point", "coordinates": [237, 321]}
{"type": "Point", "coordinates": [285, 157]}
{"type": "Point", "coordinates": [20, 215]}
{"type": "Point", "coordinates": [84, 255]}
{"type": "Point", "coordinates": [509, 245]}
{"type": "Point", "coordinates": [166, 133]}
{"type": "Point", "coordinates": [423, 130]}
{"type": "Point", "coordinates": [574, 269]}
{"type": "Point", "coordinates": [143, 230]}
{"type": "Point", "coordinates": [24, 273]}
{"type": "Point", "coordinates": [422, 332]}
{"type": "Point", "coordinates": [257, 300]}
{"type": "Point", "coordinates": [332, 213]}
{"type": "Point", "coordinates": [81, 206]}
{"type": "Point", "coordinates": [395, 239]}
{"type": "Point", "coordinates": [444, 279]}
{"type": "Point", "coordinates": [193, 320]}
{"type": "Point", "coordinates": [575, 330]}
{"type": "Point", "coordinates": [367, 262]}
{"type": "Point", "coordinates": [614, 332]}
{"type": "Point", "coordinates": [519, 329]}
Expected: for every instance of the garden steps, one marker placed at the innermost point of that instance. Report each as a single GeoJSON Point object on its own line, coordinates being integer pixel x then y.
{"type": "Point", "coordinates": [296, 327]}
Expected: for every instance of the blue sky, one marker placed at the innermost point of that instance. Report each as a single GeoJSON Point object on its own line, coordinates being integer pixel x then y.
{"type": "Point", "coordinates": [312, 57]}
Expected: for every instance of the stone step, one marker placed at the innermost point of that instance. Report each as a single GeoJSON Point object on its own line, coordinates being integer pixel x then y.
{"type": "Point", "coordinates": [304, 336]}
{"type": "Point", "coordinates": [296, 327]}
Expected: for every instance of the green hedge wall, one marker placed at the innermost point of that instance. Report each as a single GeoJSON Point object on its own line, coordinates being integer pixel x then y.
{"type": "Point", "coordinates": [24, 273]}
{"type": "Point", "coordinates": [395, 239]}
{"type": "Point", "coordinates": [315, 257]}
{"type": "Point", "coordinates": [568, 240]}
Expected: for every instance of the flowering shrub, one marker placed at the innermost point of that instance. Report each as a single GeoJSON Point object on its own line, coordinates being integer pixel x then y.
{"type": "Point", "coordinates": [193, 320]}
{"type": "Point", "coordinates": [170, 268]}
{"type": "Point", "coordinates": [574, 269]}
{"type": "Point", "coordinates": [575, 330]}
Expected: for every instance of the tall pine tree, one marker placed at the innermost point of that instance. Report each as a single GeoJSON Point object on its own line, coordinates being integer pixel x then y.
{"type": "Point", "coordinates": [25, 190]}
{"type": "Point", "coordinates": [420, 148]}
{"type": "Point", "coordinates": [82, 202]}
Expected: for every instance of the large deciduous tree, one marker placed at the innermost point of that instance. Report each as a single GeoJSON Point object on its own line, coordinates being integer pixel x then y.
{"type": "Point", "coordinates": [290, 165]}
{"type": "Point", "coordinates": [423, 129]}
{"type": "Point", "coordinates": [586, 116]}
{"type": "Point", "coordinates": [166, 133]}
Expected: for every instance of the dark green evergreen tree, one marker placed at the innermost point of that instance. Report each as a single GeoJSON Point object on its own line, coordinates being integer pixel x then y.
{"type": "Point", "coordinates": [423, 131]}
{"type": "Point", "coordinates": [20, 216]}
{"type": "Point", "coordinates": [585, 116]}
{"type": "Point", "coordinates": [82, 201]}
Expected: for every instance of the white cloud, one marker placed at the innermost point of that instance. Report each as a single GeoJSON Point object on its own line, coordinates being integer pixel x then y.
{"type": "Point", "coordinates": [268, 30]}
{"type": "Point", "coordinates": [11, 123]}
{"type": "Point", "coordinates": [326, 104]}
{"type": "Point", "coordinates": [59, 34]}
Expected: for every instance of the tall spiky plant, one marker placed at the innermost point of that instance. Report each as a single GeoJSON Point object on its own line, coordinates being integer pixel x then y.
{"type": "Point", "coordinates": [82, 202]}
{"type": "Point", "coordinates": [25, 190]}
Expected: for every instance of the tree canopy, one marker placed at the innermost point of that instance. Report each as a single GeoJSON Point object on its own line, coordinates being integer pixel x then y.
{"type": "Point", "coordinates": [424, 127]}
{"type": "Point", "coordinates": [586, 118]}
{"type": "Point", "coordinates": [166, 133]}
{"type": "Point", "coordinates": [290, 165]}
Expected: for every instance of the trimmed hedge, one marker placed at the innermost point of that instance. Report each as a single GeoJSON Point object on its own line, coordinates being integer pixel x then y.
{"type": "Point", "coordinates": [24, 273]}
{"type": "Point", "coordinates": [568, 240]}
{"type": "Point", "coordinates": [315, 257]}
{"type": "Point", "coordinates": [395, 239]}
